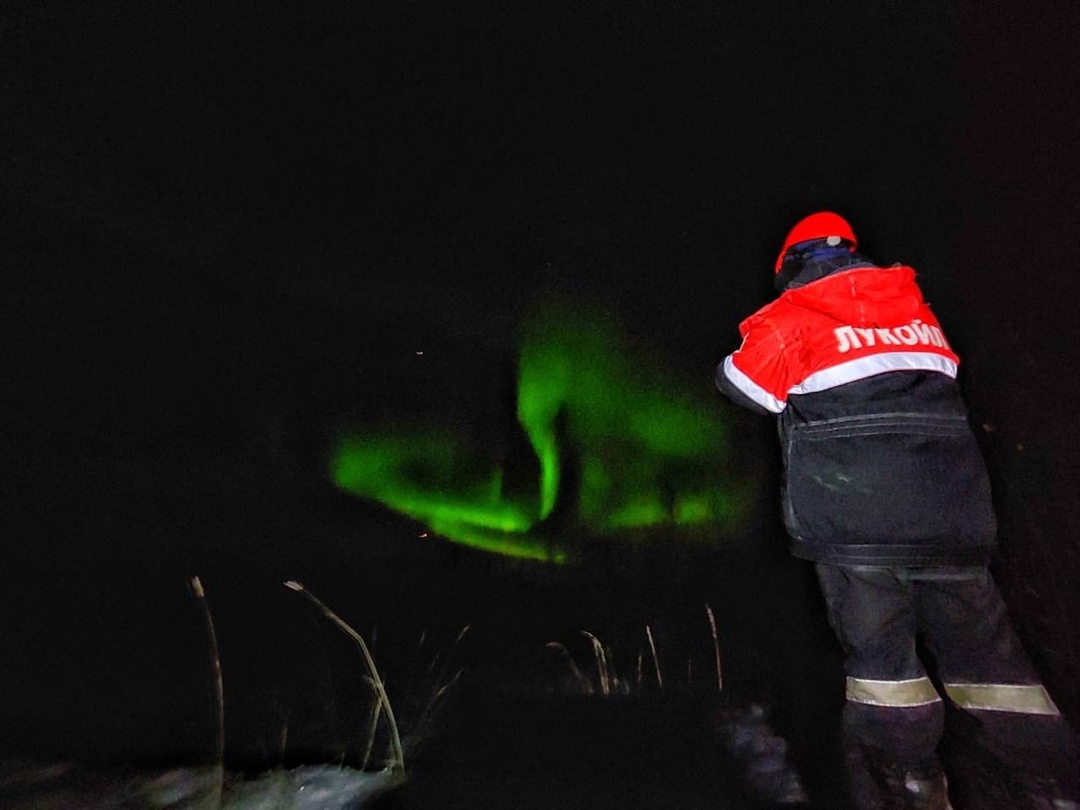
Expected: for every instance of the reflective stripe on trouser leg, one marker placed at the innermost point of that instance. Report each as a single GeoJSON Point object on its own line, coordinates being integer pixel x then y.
{"type": "Point", "coordinates": [1002, 697]}
{"type": "Point", "coordinates": [899, 694]}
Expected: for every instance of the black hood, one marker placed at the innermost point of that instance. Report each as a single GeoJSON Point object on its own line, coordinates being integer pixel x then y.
{"type": "Point", "coordinates": [809, 261]}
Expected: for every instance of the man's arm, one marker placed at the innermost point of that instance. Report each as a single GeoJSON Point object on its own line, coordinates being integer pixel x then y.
{"type": "Point", "coordinates": [730, 390]}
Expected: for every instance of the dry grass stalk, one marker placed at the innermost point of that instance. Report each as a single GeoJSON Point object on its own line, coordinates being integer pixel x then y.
{"type": "Point", "coordinates": [397, 759]}
{"type": "Point", "coordinates": [219, 693]}
{"type": "Point", "coordinates": [716, 647]}
{"type": "Point", "coordinates": [601, 663]}
{"type": "Point", "coordinates": [655, 657]}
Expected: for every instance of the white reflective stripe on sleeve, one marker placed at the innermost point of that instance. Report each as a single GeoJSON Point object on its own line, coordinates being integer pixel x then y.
{"type": "Point", "coordinates": [897, 694]}
{"type": "Point", "coordinates": [1002, 697]}
{"type": "Point", "coordinates": [873, 365]}
{"type": "Point", "coordinates": [751, 388]}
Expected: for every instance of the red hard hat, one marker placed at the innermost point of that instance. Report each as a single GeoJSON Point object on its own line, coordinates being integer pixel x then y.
{"type": "Point", "coordinates": [821, 225]}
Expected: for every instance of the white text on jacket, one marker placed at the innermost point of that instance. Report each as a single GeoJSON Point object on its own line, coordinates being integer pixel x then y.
{"type": "Point", "coordinates": [913, 334]}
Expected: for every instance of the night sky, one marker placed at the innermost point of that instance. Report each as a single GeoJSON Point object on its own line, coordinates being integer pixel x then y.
{"type": "Point", "coordinates": [225, 229]}
{"type": "Point", "coordinates": [218, 217]}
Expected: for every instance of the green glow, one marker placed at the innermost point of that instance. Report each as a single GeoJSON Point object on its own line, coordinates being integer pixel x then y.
{"type": "Point", "coordinates": [648, 512]}
{"type": "Point", "coordinates": [647, 449]}
{"type": "Point", "coordinates": [417, 475]}
{"type": "Point", "coordinates": [691, 510]}
{"type": "Point", "coordinates": [509, 545]}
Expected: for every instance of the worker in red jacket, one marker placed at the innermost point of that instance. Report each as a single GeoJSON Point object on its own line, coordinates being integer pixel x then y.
{"type": "Point", "coordinates": [886, 492]}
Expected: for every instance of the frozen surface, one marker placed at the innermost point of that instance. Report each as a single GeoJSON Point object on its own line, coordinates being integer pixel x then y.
{"type": "Point", "coordinates": [309, 788]}
{"type": "Point", "coordinates": [58, 787]}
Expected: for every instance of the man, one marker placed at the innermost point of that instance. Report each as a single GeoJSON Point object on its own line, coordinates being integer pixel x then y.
{"type": "Point", "coordinates": [886, 493]}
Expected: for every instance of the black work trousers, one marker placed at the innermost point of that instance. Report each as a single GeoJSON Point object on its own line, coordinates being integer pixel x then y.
{"type": "Point", "coordinates": [894, 718]}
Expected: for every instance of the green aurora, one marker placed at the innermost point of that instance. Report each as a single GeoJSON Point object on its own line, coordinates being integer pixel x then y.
{"type": "Point", "coordinates": [619, 445]}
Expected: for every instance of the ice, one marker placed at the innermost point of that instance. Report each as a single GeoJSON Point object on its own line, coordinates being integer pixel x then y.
{"type": "Point", "coordinates": [309, 788]}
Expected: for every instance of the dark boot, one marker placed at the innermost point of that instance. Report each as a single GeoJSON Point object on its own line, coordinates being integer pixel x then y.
{"type": "Point", "coordinates": [919, 788]}
{"type": "Point", "coordinates": [875, 783]}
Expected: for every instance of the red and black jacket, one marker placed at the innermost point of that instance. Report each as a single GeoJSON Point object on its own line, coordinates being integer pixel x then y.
{"type": "Point", "coordinates": [881, 466]}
